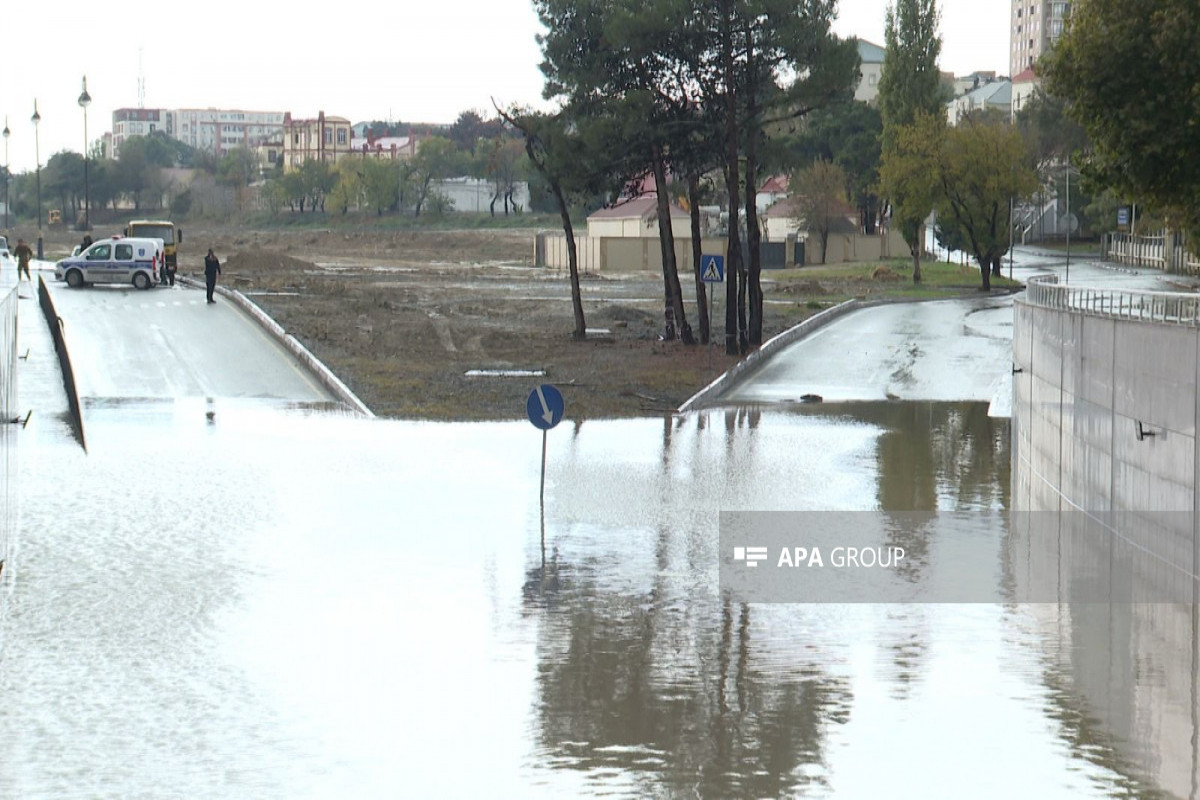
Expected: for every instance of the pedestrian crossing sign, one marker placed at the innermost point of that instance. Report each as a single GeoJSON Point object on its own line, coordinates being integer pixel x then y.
{"type": "Point", "coordinates": [712, 269]}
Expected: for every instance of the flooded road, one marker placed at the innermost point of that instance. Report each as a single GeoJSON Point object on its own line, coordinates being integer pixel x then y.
{"type": "Point", "coordinates": [287, 603]}
{"type": "Point", "coordinates": [259, 598]}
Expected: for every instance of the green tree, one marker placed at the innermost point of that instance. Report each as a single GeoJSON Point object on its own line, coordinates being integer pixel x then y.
{"type": "Point", "coordinates": [629, 73]}
{"type": "Point", "coordinates": [1129, 74]}
{"type": "Point", "coordinates": [820, 192]}
{"type": "Point", "coordinates": [437, 159]}
{"type": "Point", "coordinates": [556, 148]}
{"type": "Point", "coordinates": [908, 178]}
{"type": "Point", "coordinates": [908, 88]}
{"type": "Point", "coordinates": [848, 134]}
{"type": "Point", "coordinates": [238, 168]}
{"type": "Point", "coordinates": [316, 180]}
{"type": "Point", "coordinates": [980, 167]}
{"type": "Point", "coordinates": [62, 178]}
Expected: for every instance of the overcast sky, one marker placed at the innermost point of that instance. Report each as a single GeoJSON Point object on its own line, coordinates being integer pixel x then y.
{"type": "Point", "coordinates": [407, 61]}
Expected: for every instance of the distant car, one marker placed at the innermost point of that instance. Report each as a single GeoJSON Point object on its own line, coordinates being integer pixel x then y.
{"type": "Point", "coordinates": [75, 250]}
{"type": "Point", "coordinates": [115, 260]}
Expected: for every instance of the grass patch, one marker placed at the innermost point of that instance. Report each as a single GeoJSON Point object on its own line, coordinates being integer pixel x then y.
{"type": "Point", "coordinates": [893, 276]}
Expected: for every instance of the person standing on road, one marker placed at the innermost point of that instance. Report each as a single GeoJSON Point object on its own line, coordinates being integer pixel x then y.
{"type": "Point", "coordinates": [23, 254]}
{"type": "Point", "coordinates": [212, 268]}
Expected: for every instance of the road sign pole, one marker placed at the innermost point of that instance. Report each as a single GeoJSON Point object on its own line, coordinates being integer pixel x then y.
{"type": "Point", "coordinates": [710, 327]}
{"type": "Point", "coordinates": [542, 493]}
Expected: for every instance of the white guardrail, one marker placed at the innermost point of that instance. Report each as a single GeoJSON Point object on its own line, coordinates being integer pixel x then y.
{"type": "Point", "coordinates": [1167, 307]}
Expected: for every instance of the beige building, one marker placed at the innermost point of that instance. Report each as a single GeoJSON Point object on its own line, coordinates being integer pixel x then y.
{"type": "Point", "coordinates": [637, 218]}
{"type": "Point", "coordinates": [1036, 25]}
{"type": "Point", "coordinates": [321, 138]}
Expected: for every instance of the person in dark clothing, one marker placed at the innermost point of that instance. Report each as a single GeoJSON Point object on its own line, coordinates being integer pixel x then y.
{"type": "Point", "coordinates": [212, 268]}
{"type": "Point", "coordinates": [86, 243]}
{"type": "Point", "coordinates": [23, 254]}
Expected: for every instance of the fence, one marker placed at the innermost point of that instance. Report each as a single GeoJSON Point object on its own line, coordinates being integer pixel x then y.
{"type": "Point", "coordinates": [1165, 251]}
{"type": "Point", "coordinates": [1163, 307]}
{"type": "Point", "coordinates": [633, 254]}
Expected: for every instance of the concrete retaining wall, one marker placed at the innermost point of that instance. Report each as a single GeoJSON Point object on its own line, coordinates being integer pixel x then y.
{"type": "Point", "coordinates": [1105, 418]}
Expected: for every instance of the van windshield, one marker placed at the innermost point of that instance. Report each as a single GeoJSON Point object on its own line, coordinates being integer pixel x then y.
{"type": "Point", "coordinates": [164, 232]}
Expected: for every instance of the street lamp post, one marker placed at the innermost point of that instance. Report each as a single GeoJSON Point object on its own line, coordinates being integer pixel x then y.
{"type": "Point", "coordinates": [1067, 277]}
{"type": "Point", "coordinates": [37, 154]}
{"type": "Point", "coordinates": [6, 134]}
{"type": "Point", "coordinates": [85, 100]}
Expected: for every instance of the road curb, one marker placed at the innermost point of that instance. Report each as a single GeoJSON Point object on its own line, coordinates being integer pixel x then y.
{"type": "Point", "coordinates": [322, 373]}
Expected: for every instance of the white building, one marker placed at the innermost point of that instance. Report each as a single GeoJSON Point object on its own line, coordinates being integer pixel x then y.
{"type": "Point", "coordinates": [213, 130]}
{"type": "Point", "coordinates": [475, 195]}
{"type": "Point", "coordinates": [870, 71]}
{"type": "Point", "coordinates": [996, 96]}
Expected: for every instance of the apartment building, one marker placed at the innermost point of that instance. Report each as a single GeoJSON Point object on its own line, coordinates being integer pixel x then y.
{"type": "Point", "coordinates": [216, 131]}
{"type": "Point", "coordinates": [128, 122]}
{"type": "Point", "coordinates": [1036, 25]}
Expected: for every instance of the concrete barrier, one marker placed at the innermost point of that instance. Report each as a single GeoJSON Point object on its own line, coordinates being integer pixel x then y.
{"type": "Point", "coordinates": [64, 357]}
{"type": "Point", "coordinates": [322, 373]}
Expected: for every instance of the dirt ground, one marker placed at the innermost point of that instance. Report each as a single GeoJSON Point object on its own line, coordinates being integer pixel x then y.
{"type": "Point", "coordinates": [406, 318]}
{"type": "Point", "coordinates": [410, 319]}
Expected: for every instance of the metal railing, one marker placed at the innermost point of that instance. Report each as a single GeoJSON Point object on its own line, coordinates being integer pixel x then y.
{"type": "Point", "coordinates": [1165, 307]}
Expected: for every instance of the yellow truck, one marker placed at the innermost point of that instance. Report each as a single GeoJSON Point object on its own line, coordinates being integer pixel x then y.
{"type": "Point", "coordinates": [168, 231]}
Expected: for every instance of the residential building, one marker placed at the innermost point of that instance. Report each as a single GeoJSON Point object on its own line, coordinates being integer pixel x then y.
{"type": "Point", "coordinates": [1023, 87]}
{"type": "Point", "coordinates": [870, 71]}
{"type": "Point", "coordinates": [969, 83]}
{"type": "Point", "coordinates": [216, 131]}
{"type": "Point", "coordinates": [996, 95]}
{"type": "Point", "coordinates": [321, 138]}
{"type": "Point", "coordinates": [637, 218]}
{"type": "Point", "coordinates": [392, 148]}
{"type": "Point", "coordinates": [127, 122]}
{"type": "Point", "coordinates": [1036, 25]}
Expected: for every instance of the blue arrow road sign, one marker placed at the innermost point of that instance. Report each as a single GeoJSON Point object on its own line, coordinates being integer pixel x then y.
{"type": "Point", "coordinates": [712, 269]}
{"type": "Point", "coordinates": [545, 407]}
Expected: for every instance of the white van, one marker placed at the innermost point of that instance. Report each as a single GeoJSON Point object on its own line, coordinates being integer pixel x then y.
{"type": "Point", "coordinates": [115, 260]}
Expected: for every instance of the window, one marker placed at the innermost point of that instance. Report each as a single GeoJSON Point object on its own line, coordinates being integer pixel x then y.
{"type": "Point", "coordinates": [99, 253]}
{"type": "Point", "coordinates": [124, 252]}
{"type": "Point", "coordinates": [328, 136]}
{"type": "Point", "coordinates": [341, 139]}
